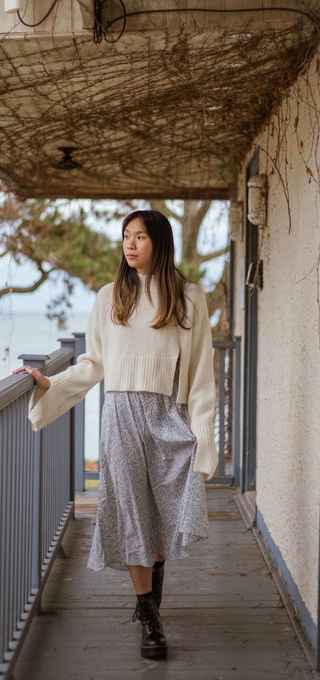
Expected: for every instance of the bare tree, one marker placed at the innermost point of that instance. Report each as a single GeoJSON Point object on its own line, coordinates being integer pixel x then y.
{"type": "Point", "coordinates": [59, 239]}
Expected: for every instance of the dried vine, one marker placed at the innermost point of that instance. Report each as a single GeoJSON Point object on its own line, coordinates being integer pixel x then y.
{"type": "Point", "coordinates": [300, 106]}
{"type": "Point", "coordinates": [166, 112]}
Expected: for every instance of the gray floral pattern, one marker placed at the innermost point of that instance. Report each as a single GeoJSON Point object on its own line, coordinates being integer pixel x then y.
{"type": "Point", "coordinates": [150, 500]}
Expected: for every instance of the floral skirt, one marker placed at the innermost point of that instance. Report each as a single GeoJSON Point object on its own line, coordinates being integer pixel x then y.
{"type": "Point", "coordinates": [150, 501]}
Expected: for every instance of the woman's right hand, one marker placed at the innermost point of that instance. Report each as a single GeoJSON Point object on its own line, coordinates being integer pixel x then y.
{"type": "Point", "coordinates": [41, 379]}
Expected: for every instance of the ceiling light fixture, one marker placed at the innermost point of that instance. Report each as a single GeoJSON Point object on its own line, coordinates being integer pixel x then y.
{"type": "Point", "coordinates": [67, 162]}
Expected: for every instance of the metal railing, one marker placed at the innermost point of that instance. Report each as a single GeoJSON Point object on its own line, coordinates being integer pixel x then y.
{"type": "Point", "coordinates": [227, 366]}
{"type": "Point", "coordinates": [37, 486]}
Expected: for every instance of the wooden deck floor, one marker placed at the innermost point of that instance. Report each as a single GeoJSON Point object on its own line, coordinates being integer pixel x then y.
{"type": "Point", "coordinates": [221, 612]}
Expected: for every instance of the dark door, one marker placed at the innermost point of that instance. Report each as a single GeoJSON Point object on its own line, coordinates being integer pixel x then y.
{"type": "Point", "coordinates": [248, 481]}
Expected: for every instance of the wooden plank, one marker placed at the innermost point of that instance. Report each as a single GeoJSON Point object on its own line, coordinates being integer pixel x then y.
{"type": "Point", "coordinates": [221, 613]}
{"type": "Point", "coordinates": [157, 672]}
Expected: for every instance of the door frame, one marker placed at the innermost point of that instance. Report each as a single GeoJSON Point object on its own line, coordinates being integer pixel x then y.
{"type": "Point", "coordinates": [250, 345]}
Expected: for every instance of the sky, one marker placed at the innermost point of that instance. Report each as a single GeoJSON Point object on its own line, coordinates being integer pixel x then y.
{"type": "Point", "coordinates": [211, 235]}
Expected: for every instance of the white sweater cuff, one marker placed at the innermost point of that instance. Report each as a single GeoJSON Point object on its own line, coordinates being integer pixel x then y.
{"type": "Point", "coordinates": [207, 456]}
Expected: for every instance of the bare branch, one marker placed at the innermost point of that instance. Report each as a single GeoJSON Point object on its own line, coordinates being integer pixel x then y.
{"type": "Point", "coordinates": [27, 289]}
{"type": "Point", "coordinates": [212, 254]}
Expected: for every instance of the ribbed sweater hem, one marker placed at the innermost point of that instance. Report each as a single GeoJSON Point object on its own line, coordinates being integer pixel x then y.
{"type": "Point", "coordinates": [150, 372]}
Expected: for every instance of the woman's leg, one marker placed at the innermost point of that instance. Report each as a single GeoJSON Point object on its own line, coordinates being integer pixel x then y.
{"type": "Point", "coordinates": [141, 578]}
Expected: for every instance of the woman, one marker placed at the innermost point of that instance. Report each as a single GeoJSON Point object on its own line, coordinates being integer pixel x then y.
{"type": "Point", "coordinates": [149, 338]}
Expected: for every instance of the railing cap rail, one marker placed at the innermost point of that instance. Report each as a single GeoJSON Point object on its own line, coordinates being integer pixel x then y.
{"type": "Point", "coordinates": [15, 385]}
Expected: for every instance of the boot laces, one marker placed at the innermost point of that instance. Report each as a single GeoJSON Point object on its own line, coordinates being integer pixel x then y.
{"type": "Point", "coordinates": [148, 615]}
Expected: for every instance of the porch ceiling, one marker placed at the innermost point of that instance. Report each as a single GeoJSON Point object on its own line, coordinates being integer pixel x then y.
{"type": "Point", "coordinates": [164, 111]}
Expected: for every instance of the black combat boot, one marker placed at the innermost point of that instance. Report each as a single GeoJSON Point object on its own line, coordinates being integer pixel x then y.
{"type": "Point", "coordinates": [157, 581]}
{"type": "Point", "coordinates": [153, 640]}
{"type": "Point", "coordinates": [157, 584]}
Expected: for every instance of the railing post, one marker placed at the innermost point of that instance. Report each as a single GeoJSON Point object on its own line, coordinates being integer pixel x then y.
{"type": "Point", "coordinates": [37, 361]}
{"type": "Point", "coordinates": [79, 424]}
{"type": "Point", "coordinates": [236, 410]}
{"type": "Point", "coordinates": [70, 343]}
{"type": "Point", "coordinates": [222, 359]}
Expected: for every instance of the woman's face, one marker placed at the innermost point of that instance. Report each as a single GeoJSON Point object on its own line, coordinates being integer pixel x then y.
{"type": "Point", "coordinates": [137, 245]}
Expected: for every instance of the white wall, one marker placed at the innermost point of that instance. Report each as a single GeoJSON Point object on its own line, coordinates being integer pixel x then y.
{"type": "Point", "coordinates": [288, 402]}
{"type": "Point", "coordinates": [64, 19]}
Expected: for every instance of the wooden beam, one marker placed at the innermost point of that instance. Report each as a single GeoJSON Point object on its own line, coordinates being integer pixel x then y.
{"type": "Point", "coordinates": [198, 193]}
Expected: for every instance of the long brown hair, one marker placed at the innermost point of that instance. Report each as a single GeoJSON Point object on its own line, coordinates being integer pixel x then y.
{"type": "Point", "coordinates": [170, 281]}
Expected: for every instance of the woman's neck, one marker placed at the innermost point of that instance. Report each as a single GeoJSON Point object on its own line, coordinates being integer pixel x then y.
{"type": "Point", "coordinates": [143, 276]}
{"type": "Point", "coordinates": [143, 283]}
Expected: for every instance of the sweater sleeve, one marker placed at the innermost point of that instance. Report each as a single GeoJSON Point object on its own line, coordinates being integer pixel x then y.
{"type": "Point", "coordinates": [70, 386]}
{"type": "Point", "coordinates": [201, 395]}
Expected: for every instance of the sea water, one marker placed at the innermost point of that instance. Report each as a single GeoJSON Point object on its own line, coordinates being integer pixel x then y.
{"type": "Point", "coordinates": [30, 333]}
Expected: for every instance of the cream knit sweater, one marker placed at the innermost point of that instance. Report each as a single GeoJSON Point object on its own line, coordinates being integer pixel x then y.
{"type": "Point", "coordinates": [137, 357]}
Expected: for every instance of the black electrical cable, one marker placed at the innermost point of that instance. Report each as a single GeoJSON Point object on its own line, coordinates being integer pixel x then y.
{"type": "Point", "coordinates": [41, 20]}
{"type": "Point", "coordinates": [315, 21]}
{"type": "Point", "coordinates": [99, 29]}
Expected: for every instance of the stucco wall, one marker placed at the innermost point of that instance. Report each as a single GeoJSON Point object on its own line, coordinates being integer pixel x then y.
{"type": "Point", "coordinates": [288, 402]}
